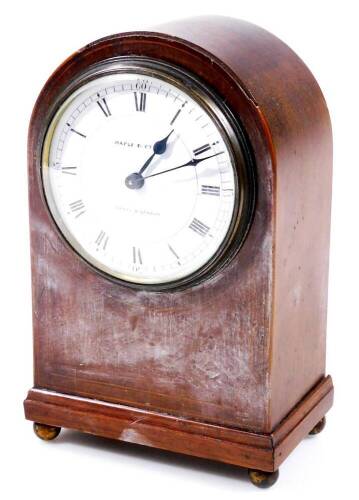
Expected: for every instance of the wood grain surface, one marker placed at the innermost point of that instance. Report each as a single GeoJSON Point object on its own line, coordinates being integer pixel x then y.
{"type": "Point", "coordinates": [259, 451]}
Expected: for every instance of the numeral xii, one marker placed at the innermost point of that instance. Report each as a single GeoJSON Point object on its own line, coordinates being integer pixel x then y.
{"type": "Point", "coordinates": [140, 101]}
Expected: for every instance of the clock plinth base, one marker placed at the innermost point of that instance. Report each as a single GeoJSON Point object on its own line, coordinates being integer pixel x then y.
{"type": "Point", "coordinates": [261, 452]}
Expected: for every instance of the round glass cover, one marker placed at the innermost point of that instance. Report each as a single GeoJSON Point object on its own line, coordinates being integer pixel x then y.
{"type": "Point", "coordinates": [140, 176]}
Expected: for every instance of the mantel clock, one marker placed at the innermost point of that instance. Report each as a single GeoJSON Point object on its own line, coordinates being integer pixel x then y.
{"type": "Point", "coordinates": [180, 185]}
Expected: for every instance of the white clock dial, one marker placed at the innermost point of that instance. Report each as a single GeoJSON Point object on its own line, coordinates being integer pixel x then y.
{"type": "Point", "coordinates": [139, 177]}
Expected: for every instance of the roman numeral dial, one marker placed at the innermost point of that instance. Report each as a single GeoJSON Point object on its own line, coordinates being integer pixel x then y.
{"type": "Point", "coordinates": [139, 177]}
{"type": "Point", "coordinates": [140, 101]}
{"type": "Point", "coordinates": [79, 134]}
{"type": "Point", "coordinates": [77, 207]}
{"type": "Point", "coordinates": [178, 113]}
{"type": "Point", "coordinates": [69, 170]}
{"type": "Point", "coordinates": [201, 150]}
{"type": "Point", "coordinates": [210, 190]}
{"type": "Point", "coordinates": [136, 255]}
{"type": "Point", "coordinates": [102, 104]}
{"type": "Point", "coordinates": [101, 240]}
{"type": "Point", "coordinates": [199, 227]}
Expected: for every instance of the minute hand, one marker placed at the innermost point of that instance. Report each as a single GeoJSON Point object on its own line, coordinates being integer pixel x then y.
{"type": "Point", "coordinates": [192, 162]}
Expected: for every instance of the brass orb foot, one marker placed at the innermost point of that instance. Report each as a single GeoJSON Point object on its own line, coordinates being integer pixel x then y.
{"type": "Point", "coordinates": [46, 432]}
{"type": "Point", "coordinates": [263, 479]}
{"type": "Point", "coordinates": [318, 427]}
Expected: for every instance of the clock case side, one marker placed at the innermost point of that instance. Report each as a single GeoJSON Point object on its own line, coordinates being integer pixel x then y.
{"type": "Point", "coordinates": [295, 112]}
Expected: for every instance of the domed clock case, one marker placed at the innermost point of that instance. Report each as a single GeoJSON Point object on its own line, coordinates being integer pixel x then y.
{"type": "Point", "coordinates": [229, 363]}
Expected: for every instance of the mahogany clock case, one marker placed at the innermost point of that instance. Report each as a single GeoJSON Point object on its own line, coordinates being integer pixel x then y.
{"type": "Point", "coordinates": [233, 368]}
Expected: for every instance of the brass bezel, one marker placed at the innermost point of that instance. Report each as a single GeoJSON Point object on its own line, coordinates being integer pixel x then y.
{"type": "Point", "coordinates": [231, 131]}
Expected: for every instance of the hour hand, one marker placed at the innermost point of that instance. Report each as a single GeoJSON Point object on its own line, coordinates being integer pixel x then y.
{"type": "Point", "coordinates": [159, 148]}
{"type": "Point", "coordinates": [136, 180]}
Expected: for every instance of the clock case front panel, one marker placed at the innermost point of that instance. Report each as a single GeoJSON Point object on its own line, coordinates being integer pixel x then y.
{"type": "Point", "coordinates": [243, 348]}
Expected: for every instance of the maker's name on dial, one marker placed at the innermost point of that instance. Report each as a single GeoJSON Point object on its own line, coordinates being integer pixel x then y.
{"type": "Point", "coordinates": [137, 211]}
{"type": "Point", "coordinates": [129, 144]}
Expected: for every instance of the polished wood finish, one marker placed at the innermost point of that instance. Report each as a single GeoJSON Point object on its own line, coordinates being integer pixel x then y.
{"type": "Point", "coordinates": [256, 451]}
{"type": "Point", "coordinates": [294, 115]}
{"type": "Point", "coordinates": [228, 359]}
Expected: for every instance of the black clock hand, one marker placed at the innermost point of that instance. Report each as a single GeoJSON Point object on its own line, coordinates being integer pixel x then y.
{"type": "Point", "coordinates": [159, 148]}
{"type": "Point", "coordinates": [136, 179]}
{"type": "Point", "coordinates": [192, 162]}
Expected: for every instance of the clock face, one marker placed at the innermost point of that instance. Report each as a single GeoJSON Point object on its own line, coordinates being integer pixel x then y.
{"type": "Point", "coordinates": [140, 177]}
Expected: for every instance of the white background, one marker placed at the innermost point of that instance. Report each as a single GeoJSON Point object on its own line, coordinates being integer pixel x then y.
{"type": "Point", "coordinates": [35, 38]}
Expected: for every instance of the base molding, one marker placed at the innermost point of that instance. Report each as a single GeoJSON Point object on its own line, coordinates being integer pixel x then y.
{"type": "Point", "coordinates": [246, 449]}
